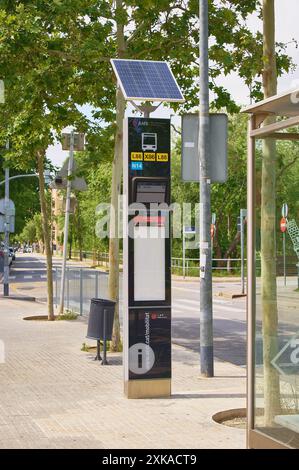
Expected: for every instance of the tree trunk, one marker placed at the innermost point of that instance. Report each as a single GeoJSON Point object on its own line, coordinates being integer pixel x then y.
{"type": "Point", "coordinates": [46, 231]}
{"type": "Point", "coordinates": [268, 227]}
{"type": "Point", "coordinates": [113, 281]}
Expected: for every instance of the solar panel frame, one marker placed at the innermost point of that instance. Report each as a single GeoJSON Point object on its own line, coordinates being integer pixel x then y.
{"type": "Point", "coordinates": [130, 96]}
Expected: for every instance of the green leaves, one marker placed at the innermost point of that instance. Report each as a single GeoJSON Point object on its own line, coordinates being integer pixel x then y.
{"type": "Point", "coordinates": [55, 54]}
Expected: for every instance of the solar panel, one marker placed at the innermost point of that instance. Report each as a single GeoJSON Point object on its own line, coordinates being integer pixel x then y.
{"type": "Point", "coordinates": [146, 80]}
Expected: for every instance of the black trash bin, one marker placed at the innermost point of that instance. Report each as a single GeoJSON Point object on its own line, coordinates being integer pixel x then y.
{"type": "Point", "coordinates": [100, 323]}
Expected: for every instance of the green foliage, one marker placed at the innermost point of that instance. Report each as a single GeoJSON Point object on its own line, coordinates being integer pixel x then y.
{"type": "Point", "coordinates": [32, 232]}
{"type": "Point", "coordinates": [55, 58]}
{"type": "Point", "coordinates": [87, 348]}
{"type": "Point", "coordinates": [67, 315]}
{"type": "Point", "coordinates": [24, 192]}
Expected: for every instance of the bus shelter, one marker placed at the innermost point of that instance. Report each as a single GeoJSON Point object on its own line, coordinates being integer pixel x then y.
{"type": "Point", "coordinates": [272, 286]}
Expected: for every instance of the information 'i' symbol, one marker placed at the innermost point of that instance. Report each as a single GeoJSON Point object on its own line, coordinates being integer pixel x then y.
{"type": "Point", "coordinates": [139, 358]}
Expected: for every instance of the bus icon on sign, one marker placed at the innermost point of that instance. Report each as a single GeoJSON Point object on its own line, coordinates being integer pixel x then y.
{"type": "Point", "coordinates": [149, 141]}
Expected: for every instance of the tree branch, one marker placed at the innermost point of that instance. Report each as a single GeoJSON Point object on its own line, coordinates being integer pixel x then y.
{"type": "Point", "coordinates": [287, 166]}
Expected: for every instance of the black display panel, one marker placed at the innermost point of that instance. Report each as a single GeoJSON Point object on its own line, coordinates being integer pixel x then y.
{"type": "Point", "coordinates": [150, 190]}
{"type": "Point", "coordinates": [148, 151]}
{"type": "Point", "coordinates": [149, 343]}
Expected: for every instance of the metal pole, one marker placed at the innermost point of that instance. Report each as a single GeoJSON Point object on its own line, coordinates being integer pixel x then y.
{"type": "Point", "coordinates": [284, 258]}
{"type": "Point", "coordinates": [251, 280]}
{"type": "Point", "coordinates": [242, 255]}
{"type": "Point", "coordinates": [206, 307]}
{"type": "Point", "coordinates": [98, 356]}
{"type": "Point", "coordinates": [81, 291]}
{"type": "Point", "coordinates": [97, 285]}
{"type": "Point", "coordinates": [56, 286]}
{"type": "Point", "coordinates": [66, 222]}
{"type": "Point", "coordinates": [104, 361]}
{"type": "Point", "coordinates": [67, 287]}
{"type": "Point", "coordinates": [19, 176]}
{"type": "Point", "coordinates": [184, 255]}
{"type": "Point", "coordinates": [6, 237]}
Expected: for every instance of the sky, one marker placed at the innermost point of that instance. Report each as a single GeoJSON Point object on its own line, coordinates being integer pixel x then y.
{"type": "Point", "coordinates": [287, 20]}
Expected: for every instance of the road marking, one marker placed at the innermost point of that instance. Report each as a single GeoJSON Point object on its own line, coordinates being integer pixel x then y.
{"type": "Point", "coordinates": [185, 289]}
{"type": "Point", "coordinates": [44, 276]}
{"type": "Point", "coordinates": [12, 277]}
{"type": "Point", "coordinates": [175, 319]}
{"type": "Point", "coordinates": [181, 303]}
{"type": "Point", "coordinates": [27, 277]}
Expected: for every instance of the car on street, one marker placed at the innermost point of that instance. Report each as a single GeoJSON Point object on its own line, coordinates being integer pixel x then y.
{"type": "Point", "coordinates": [2, 256]}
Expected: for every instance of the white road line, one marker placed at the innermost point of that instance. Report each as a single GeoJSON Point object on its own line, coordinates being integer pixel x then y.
{"type": "Point", "coordinates": [43, 276]}
{"type": "Point", "coordinates": [185, 289]}
{"type": "Point", "coordinates": [196, 288]}
{"type": "Point", "coordinates": [181, 303]}
{"type": "Point", "coordinates": [12, 277]}
{"type": "Point", "coordinates": [28, 277]}
{"type": "Point", "coordinates": [179, 311]}
{"type": "Point", "coordinates": [215, 302]}
{"type": "Point", "coordinates": [220, 309]}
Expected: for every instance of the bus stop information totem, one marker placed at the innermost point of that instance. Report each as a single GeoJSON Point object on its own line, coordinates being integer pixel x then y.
{"type": "Point", "coordinates": [147, 256]}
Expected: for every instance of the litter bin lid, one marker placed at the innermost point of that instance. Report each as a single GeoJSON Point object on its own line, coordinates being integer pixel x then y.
{"type": "Point", "coordinates": [107, 302]}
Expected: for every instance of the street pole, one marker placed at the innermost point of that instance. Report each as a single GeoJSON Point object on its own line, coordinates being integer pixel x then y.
{"type": "Point", "coordinates": [184, 255]}
{"type": "Point", "coordinates": [66, 221]}
{"type": "Point", "coordinates": [6, 237]}
{"type": "Point", "coordinates": [242, 255]}
{"type": "Point", "coordinates": [206, 307]}
{"type": "Point", "coordinates": [18, 176]}
{"type": "Point", "coordinates": [284, 258]}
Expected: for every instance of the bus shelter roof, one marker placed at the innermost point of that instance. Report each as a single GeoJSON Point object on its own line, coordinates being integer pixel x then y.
{"type": "Point", "coordinates": [284, 105]}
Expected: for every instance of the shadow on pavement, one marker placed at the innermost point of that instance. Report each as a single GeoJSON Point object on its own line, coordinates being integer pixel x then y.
{"type": "Point", "coordinates": [229, 338]}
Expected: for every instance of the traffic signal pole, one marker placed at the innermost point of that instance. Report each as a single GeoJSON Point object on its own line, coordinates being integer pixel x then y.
{"type": "Point", "coordinates": [66, 222]}
{"type": "Point", "coordinates": [206, 306]}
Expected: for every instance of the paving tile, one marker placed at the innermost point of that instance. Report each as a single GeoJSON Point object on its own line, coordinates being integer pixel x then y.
{"type": "Point", "coordinates": [53, 395]}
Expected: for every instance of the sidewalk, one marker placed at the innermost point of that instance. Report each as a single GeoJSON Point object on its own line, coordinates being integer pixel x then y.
{"type": "Point", "coordinates": [53, 395]}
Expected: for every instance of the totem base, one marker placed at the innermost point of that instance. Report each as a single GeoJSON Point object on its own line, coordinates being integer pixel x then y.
{"type": "Point", "coordinates": [151, 388]}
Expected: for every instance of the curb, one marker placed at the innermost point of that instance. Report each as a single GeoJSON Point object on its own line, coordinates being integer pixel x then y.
{"type": "Point", "coordinates": [18, 297]}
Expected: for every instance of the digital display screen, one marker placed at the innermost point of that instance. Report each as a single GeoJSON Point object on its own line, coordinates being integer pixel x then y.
{"type": "Point", "coordinates": [151, 187]}
{"type": "Point", "coordinates": [148, 192]}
